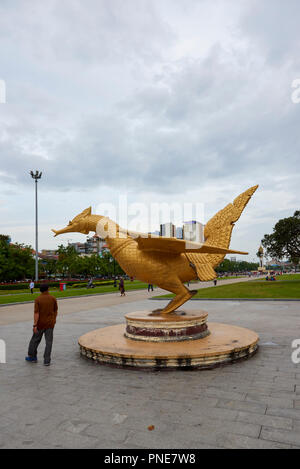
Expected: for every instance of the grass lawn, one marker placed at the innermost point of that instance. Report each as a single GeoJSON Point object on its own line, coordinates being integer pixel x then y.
{"type": "Point", "coordinates": [285, 287]}
{"type": "Point", "coordinates": [20, 297]}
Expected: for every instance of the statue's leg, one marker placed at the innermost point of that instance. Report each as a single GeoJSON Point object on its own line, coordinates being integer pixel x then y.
{"type": "Point", "coordinates": [182, 294]}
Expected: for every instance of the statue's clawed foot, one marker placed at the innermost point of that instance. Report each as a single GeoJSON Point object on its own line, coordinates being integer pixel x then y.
{"type": "Point", "coordinates": [156, 312]}
{"type": "Point", "coordinates": [178, 301]}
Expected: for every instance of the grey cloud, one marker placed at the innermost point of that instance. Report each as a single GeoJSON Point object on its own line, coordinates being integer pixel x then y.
{"type": "Point", "coordinates": [274, 28]}
{"type": "Point", "coordinates": [92, 32]}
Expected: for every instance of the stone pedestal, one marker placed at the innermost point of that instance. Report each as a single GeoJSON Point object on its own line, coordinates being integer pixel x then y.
{"type": "Point", "coordinates": [166, 328]}
{"type": "Point", "coordinates": [182, 340]}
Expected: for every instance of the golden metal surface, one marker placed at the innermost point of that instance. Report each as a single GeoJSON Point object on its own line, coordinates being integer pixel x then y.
{"type": "Point", "coordinates": [167, 262]}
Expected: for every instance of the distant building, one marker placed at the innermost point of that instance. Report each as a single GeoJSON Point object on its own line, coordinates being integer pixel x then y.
{"type": "Point", "coordinates": [80, 248]}
{"type": "Point", "coordinates": [233, 259]}
{"type": "Point", "coordinates": [49, 254]}
{"type": "Point", "coordinates": [278, 263]}
{"type": "Point", "coordinates": [193, 231]}
{"type": "Point", "coordinates": [93, 245]}
{"type": "Point", "coordinates": [179, 232]}
{"type": "Point", "coordinates": [154, 233]}
{"type": "Point", "coordinates": [168, 230]}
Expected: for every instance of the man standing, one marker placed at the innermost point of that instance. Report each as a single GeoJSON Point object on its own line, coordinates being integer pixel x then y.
{"type": "Point", "coordinates": [45, 312]}
{"type": "Point", "coordinates": [31, 285]}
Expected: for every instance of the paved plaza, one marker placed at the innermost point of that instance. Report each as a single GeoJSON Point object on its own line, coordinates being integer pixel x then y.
{"type": "Point", "coordinates": [78, 404]}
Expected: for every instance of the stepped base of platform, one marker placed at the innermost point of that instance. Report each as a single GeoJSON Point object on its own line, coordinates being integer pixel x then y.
{"type": "Point", "coordinates": [165, 342]}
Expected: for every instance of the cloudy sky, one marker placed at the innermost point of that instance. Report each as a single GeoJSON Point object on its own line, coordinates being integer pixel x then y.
{"type": "Point", "coordinates": [157, 101]}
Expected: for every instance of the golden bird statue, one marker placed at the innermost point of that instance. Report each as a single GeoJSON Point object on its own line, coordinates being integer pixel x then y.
{"type": "Point", "coordinates": [167, 262]}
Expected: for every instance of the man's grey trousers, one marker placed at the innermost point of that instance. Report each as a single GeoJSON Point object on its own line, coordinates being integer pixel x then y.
{"type": "Point", "coordinates": [35, 341]}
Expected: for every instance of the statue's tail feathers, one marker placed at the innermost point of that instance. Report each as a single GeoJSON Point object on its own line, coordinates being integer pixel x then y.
{"type": "Point", "coordinates": [242, 200]}
{"type": "Point", "coordinates": [219, 228]}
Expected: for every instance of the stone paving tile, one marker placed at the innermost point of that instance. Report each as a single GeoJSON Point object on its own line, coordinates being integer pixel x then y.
{"type": "Point", "coordinates": [211, 433]}
{"type": "Point", "coordinates": [173, 436]}
{"type": "Point", "coordinates": [273, 374]}
{"type": "Point", "coordinates": [223, 394]}
{"type": "Point", "coordinates": [64, 439]}
{"type": "Point", "coordinates": [265, 420]}
{"type": "Point", "coordinates": [281, 436]}
{"type": "Point", "coordinates": [296, 425]}
{"type": "Point", "coordinates": [5, 422]}
{"type": "Point", "coordinates": [33, 431]}
{"type": "Point", "coordinates": [205, 401]}
{"type": "Point", "coordinates": [284, 394]}
{"type": "Point", "coordinates": [171, 440]}
{"type": "Point", "coordinates": [31, 413]}
{"type": "Point", "coordinates": [8, 441]}
{"type": "Point", "coordinates": [271, 401]}
{"type": "Point", "coordinates": [242, 405]}
{"type": "Point", "coordinates": [232, 441]}
{"type": "Point", "coordinates": [288, 413]}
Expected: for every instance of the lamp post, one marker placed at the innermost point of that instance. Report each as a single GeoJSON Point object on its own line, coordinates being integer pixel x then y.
{"type": "Point", "coordinates": [36, 176]}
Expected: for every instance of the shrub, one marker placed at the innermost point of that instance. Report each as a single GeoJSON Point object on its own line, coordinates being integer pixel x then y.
{"type": "Point", "coordinates": [24, 286]}
{"type": "Point", "coordinates": [96, 284]}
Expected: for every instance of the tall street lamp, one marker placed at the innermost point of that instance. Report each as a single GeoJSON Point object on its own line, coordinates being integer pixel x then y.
{"type": "Point", "coordinates": [36, 176]}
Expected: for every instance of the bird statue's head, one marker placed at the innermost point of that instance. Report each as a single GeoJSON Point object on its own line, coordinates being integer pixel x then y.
{"type": "Point", "coordinates": [80, 224]}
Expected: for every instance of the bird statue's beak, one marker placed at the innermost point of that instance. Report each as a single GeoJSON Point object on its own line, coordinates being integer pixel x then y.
{"type": "Point", "coordinates": [58, 232]}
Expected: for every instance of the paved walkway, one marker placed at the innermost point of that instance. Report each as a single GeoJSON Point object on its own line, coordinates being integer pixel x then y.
{"type": "Point", "coordinates": [78, 404]}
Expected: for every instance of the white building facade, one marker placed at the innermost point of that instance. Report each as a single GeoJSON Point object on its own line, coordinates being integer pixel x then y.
{"type": "Point", "coordinates": [168, 230]}
{"type": "Point", "coordinates": [193, 231]}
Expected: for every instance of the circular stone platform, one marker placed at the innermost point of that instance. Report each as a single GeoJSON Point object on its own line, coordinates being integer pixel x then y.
{"type": "Point", "coordinates": [173, 327]}
{"type": "Point", "coordinates": [225, 344]}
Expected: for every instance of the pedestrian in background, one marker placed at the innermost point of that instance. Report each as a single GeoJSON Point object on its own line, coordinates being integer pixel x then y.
{"type": "Point", "coordinates": [122, 286]}
{"type": "Point", "coordinates": [31, 286]}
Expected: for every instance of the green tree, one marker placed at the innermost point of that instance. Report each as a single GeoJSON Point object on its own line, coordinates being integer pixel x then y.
{"type": "Point", "coordinates": [70, 263]}
{"type": "Point", "coordinates": [16, 260]}
{"type": "Point", "coordinates": [239, 266]}
{"type": "Point", "coordinates": [110, 265]}
{"type": "Point", "coordinates": [68, 260]}
{"type": "Point", "coordinates": [295, 261]}
{"type": "Point", "coordinates": [49, 266]}
{"type": "Point", "coordinates": [284, 242]}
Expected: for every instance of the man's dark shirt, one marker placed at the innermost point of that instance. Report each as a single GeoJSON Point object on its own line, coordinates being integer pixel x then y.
{"type": "Point", "coordinates": [46, 306]}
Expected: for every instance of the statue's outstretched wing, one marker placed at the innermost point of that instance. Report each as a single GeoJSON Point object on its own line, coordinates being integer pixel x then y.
{"type": "Point", "coordinates": [178, 246]}
{"type": "Point", "coordinates": [217, 232]}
